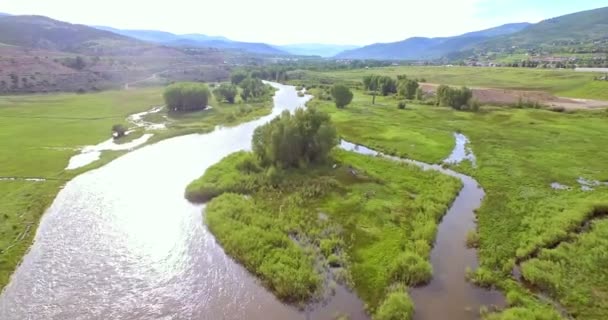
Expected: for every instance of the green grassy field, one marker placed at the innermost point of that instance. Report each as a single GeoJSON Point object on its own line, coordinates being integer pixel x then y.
{"type": "Point", "coordinates": [363, 225]}
{"type": "Point", "coordinates": [39, 134]}
{"type": "Point", "coordinates": [567, 83]}
{"type": "Point", "coordinates": [520, 152]}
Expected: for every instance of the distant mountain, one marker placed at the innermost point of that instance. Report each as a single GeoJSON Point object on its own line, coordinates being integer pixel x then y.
{"type": "Point", "coordinates": [160, 36]}
{"type": "Point", "coordinates": [315, 49]}
{"type": "Point", "coordinates": [573, 31]}
{"type": "Point", "coordinates": [419, 48]}
{"type": "Point", "coordinates": [4, 14]}
{"type": "Point", "coordinates": [196, 40]}
{"type": "Point", "coordinates": [40, 32]}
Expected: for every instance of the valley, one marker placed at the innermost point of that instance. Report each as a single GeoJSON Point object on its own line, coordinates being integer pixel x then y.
{"type": "Point", "coordinates": [148, 174]}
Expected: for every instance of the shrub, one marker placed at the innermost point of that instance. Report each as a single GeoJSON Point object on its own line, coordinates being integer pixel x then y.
{"type": "Point", "coordinates": [410, 269]}
{"type": "Point", "coordinates": [396, 306]}
{"type": "Point", "coordinates": [118, 130]}
{"type": "Point", "coordinates": [472, 239]}
{"type": "Point", "coordinates": [342, 95]}
{"type": "Point", "coordinates": [401, 105]}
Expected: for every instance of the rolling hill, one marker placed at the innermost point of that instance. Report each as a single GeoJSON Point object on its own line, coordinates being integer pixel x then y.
{"type": "Point", "coordinates": [419, 48]}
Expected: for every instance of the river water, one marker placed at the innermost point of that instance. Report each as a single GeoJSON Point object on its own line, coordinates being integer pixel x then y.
{"type": "Point", "coordinates": [121, 242]}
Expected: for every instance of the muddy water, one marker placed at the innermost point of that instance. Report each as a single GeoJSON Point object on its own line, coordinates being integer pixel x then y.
{"type": "Point", "coordinates": [121, 242]}
{"type": "Point", "coordinates": [449, 295]}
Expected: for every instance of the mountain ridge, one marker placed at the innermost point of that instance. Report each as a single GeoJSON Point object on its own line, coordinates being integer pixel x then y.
{"type": "Point", "coordinates": [423, 48]}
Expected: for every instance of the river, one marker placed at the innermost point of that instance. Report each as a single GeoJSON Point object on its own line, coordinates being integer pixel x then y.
{"type": "Point", "coordinates": [121, 242]}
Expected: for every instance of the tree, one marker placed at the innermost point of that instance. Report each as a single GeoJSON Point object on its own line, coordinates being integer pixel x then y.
{"type": "Point", "coordinates": [342, 95]}
{"type": "Point", "coordinates": [295, 140]}
{"type": "Point", "coordinates": [238, 76]}
{"type": "Point", "coordinates": [407, 88]}
{"type": "Point", "coordinates": [118, 130]}
{"type": "Point", "coordinates": [419, 94]}
{"type": "Point", "coordinates": [186, 96]}
{"type": "Point", "coordinates": [383, 84]}
{"type": "Point", "coordinates": [226, 92]}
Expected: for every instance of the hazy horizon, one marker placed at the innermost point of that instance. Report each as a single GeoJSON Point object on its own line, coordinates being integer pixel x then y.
{"type": "Point", "coordinates": [315, 21]}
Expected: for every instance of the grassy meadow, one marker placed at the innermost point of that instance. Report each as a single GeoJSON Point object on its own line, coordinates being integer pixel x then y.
{"type": "Point", "coordinates": [520, 152]}
{"type": "Point", "coordinates": [566, 83]}
{"type": "Point", "coordinates": [369, 221]}
{"type": "Point", "coordinates": [39, 134]}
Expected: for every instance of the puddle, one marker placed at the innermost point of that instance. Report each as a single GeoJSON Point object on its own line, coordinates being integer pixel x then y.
{"type": "Point", "coordinates": [461, 152]}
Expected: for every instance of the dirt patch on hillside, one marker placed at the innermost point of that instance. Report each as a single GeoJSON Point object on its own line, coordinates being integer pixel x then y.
{"type": "Point", "coordinates": [512, 97]}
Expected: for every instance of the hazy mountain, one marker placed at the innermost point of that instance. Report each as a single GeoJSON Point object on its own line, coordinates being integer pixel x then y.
{"type": "Point", "coordinates": [315, 49]}
{"type": "Point", "coordinates": [45, 33]}
{"type": "Point", "coordinates": [4, 14]}
{"type": "Point", "coordinates": [419, 48]}
{"type": "Point", "coordinates": [196, 40]}
{"type": "Point", "coordinates": [160, 36]}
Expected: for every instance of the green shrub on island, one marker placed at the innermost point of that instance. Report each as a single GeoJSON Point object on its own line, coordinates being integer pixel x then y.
{"type": "Point", "coordinates": [297, 140]}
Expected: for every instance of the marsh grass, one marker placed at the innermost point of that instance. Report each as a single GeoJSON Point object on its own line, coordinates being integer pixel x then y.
{"type": "Point", "coordinates": [354, 217]}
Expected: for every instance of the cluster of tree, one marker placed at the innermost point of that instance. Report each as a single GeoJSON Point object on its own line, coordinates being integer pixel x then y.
{"type": "Point", "coordinates": [342, 95]}
{"type": "Point", "coordinates": [383, 84]}
{"type": "Point", "coordinates": [272, 73]}
{"type": "Point", "coordinates": [253, 89]}
{"type": "Point", "coordinates": [226, 91]}
{"type": "Point", "coordinates": [186, 96]}
{"type": "Point", "coordinates": [459, 99]}
{"type": "Point", "coordinates": [306, 137]}
{"type": "Point", "coordinates": [408, 88]}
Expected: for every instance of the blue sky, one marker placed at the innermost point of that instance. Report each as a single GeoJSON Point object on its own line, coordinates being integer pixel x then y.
{"type": "Point", "coordinates": [319, 21]}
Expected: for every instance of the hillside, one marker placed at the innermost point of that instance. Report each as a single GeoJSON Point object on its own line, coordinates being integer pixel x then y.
{"type": "Point", "coordinates": [585, 31]}
{"type": "Point", "coordinates": [39, 54]}
{"type": "Point", "coordinates": [40, 32]}
{"type": "Point", "coordinates": [419, 48]}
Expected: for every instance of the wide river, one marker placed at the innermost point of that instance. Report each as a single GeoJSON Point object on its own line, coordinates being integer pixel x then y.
{"type": "Point", "coordinates": [121, 242]}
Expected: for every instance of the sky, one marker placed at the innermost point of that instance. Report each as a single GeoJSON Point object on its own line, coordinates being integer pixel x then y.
{"type": "Point", "coordinates": [357, 22]}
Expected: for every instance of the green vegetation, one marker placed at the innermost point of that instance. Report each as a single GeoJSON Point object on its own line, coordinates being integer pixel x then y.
{"type": "Point", "coordinates": [342, 95]}
{"type": "Point", "coordinates": [572, 272]}
{"type": "Point", "coordinates": [354, 217]}
{"type": "Point", "coordinates": [186, 96]}
{"type": "Point", "coordinates": [520, 152]}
